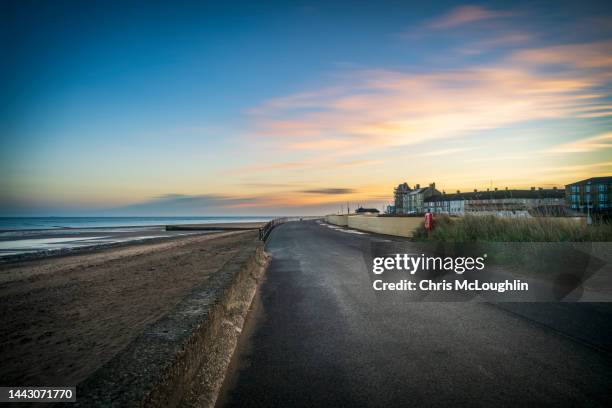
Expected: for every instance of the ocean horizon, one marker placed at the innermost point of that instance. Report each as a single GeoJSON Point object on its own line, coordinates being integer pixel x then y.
{"type": "Point", "coordinates": [53, 223]}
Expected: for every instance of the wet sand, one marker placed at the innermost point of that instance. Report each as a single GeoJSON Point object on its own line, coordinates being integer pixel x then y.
{"type": "Point", "coordinates": [21, 245]}
{"type": "Point", "coordinates": [61, 318]}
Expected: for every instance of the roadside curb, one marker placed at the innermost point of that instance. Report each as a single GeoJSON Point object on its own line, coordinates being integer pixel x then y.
{"type": "Point", "coordinates": [181, 359]}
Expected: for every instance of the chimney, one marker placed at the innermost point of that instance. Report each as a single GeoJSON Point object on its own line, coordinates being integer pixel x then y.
{"type": "Point", "coordinates": [475, 190]}
{"type": "Point", "coordinates": [417, 186]}
{"type": "Point", "coordinates": [495, 188]}
{"type": "Point", "coordinates": [487, 189]}
{"type": "Point", "coordinates": [532, 188]}
{"type": "Point", "coordinates": [540, 188]}
{"type": "Point", "coordinates": [506, 188]}
{"type": "Point", "coordinates": [458, 192]}
{"type": "Point", "coordinates": [554, 188]}
{"type": "Point", "coordinates": [432, 185]}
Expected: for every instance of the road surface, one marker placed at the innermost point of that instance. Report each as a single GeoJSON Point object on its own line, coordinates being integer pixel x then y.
{"type": "Point", "coordinates": [320, 336]}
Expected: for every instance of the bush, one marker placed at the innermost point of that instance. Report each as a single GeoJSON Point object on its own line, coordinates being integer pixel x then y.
{"type": "Point", "coordinates": [497, 229]}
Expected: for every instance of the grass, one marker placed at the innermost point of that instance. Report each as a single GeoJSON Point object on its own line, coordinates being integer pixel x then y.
{"type": "Point", "coordinates": [497, 229]}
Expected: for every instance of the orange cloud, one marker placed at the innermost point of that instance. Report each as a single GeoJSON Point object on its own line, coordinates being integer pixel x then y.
{"type": "Point", "coordinates": [371, 113]}
{"type": "Point", "coordinates": [380, 108]}
{"type": "Point", "coordinates": [465, 15]}
{"type": "Point", "coordinates": [589, 55]}
{"type": "Point", "coordinates": [504, 40]}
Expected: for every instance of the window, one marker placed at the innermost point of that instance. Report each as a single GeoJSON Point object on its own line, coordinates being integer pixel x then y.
{"type": "Point", "coordinates": [602, 188]}
{"type": "Point", "coordinates": [587, 189]}
{"type": "Point", "coordinates": [574, 189]}
{"type": "Point", "coordinates": [587, 198]}
{"type": "Point", "coordinates": [574, 198]}
{"type": "Point", "coordinates": [602, 198]}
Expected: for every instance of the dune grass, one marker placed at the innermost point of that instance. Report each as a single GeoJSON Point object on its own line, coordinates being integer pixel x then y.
{"type": "Point", "coordinates": [498, 229]}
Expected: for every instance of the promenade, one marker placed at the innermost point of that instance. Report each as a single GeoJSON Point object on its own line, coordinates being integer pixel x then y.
{"type": "Point", "coordinates": [319, 335]}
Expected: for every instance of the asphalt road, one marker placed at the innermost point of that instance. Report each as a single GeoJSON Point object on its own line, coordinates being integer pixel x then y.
{"type": "Point", "coordinates": [320, 336]}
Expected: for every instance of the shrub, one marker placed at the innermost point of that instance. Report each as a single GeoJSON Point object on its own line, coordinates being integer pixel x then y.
{"type": "Point", "coordinates": [497, 229]}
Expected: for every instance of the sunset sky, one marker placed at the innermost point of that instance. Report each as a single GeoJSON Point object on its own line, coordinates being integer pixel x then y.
{"type": "Point", "coordinates": [122, 108]}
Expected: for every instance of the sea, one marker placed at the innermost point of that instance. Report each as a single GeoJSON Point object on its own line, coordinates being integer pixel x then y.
{"type": "Point", "coordinates": [41, 236]}
{"type": "Point", "coordinates": [36, 223]}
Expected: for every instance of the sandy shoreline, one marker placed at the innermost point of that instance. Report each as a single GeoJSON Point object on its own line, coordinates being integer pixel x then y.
{"type": "Point", "coordinates": [24, 245]}
{"type": "Point", "coordinates": [63, 317]}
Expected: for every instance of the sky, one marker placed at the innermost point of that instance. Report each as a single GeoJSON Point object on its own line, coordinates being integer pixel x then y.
{"type": "Point", "coordinates": [281, 108]}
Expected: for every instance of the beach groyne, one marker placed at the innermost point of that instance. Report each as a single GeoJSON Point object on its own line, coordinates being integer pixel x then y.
{"type": "Point", "coordinates": [228, 226]}
{"type": "Point", "coordinates": [398, 226]}
{"type": "Point", "coordinates": [181, 359]}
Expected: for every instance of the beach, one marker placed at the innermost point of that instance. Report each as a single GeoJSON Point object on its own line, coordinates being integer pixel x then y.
{"type": "Point", "coordinates": [63, 317]}
{"type": "Point", "coordinates": [36, 237]}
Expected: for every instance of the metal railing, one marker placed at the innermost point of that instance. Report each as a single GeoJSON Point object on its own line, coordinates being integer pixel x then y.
{"type": "Point", "coordinates": [265, 231]}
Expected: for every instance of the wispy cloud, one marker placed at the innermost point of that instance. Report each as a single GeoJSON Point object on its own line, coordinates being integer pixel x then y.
{"type": "Point", "coordinates": [495, 42]}
{"type": "Point", "coordinates": [599, 142]}
{"type": "Point", "coordinates": [278, 166]}
{"type": "Point", "coordinates": [258, 184]}
{"type": "Point", "coordinates": [446, 152]}
{"type": "Point", "coordinates": [173, 203]}
{"type": "Point", "coordinates": [467, 14]}
{"type": "Point", "coordinates": [590, 167]}
{"type": "Point", "coordinates": [330, 191]}
{"type": "Point", "coordinates": [380, 108]}
{"type": "Point", "coordinates": [300, 166]}
{"type": "Point", "coordinates": [584, 55]}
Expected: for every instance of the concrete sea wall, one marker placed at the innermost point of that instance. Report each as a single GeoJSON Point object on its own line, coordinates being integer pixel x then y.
{"type": "Point", "coordinates": [181, 359]}
{"type": "Point", "coordinates": [341, 220]}
{"type": "Point", "coordinates": [406, 226]}
{"type": "Point", "coordinates": [399, 226]}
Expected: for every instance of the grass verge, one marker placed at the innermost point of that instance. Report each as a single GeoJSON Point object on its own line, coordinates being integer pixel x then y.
{"type": "Point", "coordinates": [497, 229]}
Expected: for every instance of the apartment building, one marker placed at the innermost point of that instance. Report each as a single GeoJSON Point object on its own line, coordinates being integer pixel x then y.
{"type": "Point", "coordinates": [593, 195]}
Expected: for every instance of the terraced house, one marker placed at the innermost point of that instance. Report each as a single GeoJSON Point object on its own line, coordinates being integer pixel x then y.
{"type": "Point", "coordinates": [592, 195]}
{"type": "Point", "coordinates": [505, 203]}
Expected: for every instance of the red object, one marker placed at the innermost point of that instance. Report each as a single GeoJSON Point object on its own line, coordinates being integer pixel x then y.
{"type": "Point", "coordinates": [428, 221]}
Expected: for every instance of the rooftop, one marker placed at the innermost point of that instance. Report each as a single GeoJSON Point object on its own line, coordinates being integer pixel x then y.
{"type": "Point", "coordinates": [594, 180]}
{"type": "Point", "coordinates": [500, 194]}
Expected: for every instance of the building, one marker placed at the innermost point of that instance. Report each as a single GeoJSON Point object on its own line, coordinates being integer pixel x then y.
{"type": "Point", "coordinates": [414, 201]}
{"type": "Point", "coordinates": [505, 203]}
{"type": "Point", "coordinates": [452, 204]}
{"type": "Point", "coordinates": [364, 211]}
{"type": "Point", "coordinates": [399, 193]}
{"type": "Point", "coordinates": [592, 195]}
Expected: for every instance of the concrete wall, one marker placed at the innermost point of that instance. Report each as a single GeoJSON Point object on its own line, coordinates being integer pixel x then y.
{"type": "Point", "coordinates": [405, 226]}
{"type": "Point", "coordinates": [181, 359]}
{"type": "Point", "coordinates": [399, 226]}
{"type": "Point", "coordinates": [341, 220]}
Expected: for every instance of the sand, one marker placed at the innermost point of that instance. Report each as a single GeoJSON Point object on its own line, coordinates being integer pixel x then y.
{"type": "Point", "coordinates": [63, 317]}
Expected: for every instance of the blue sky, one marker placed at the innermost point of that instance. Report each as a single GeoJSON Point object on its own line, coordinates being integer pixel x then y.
{"type": "Point", "coordinates": [160, 108]}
